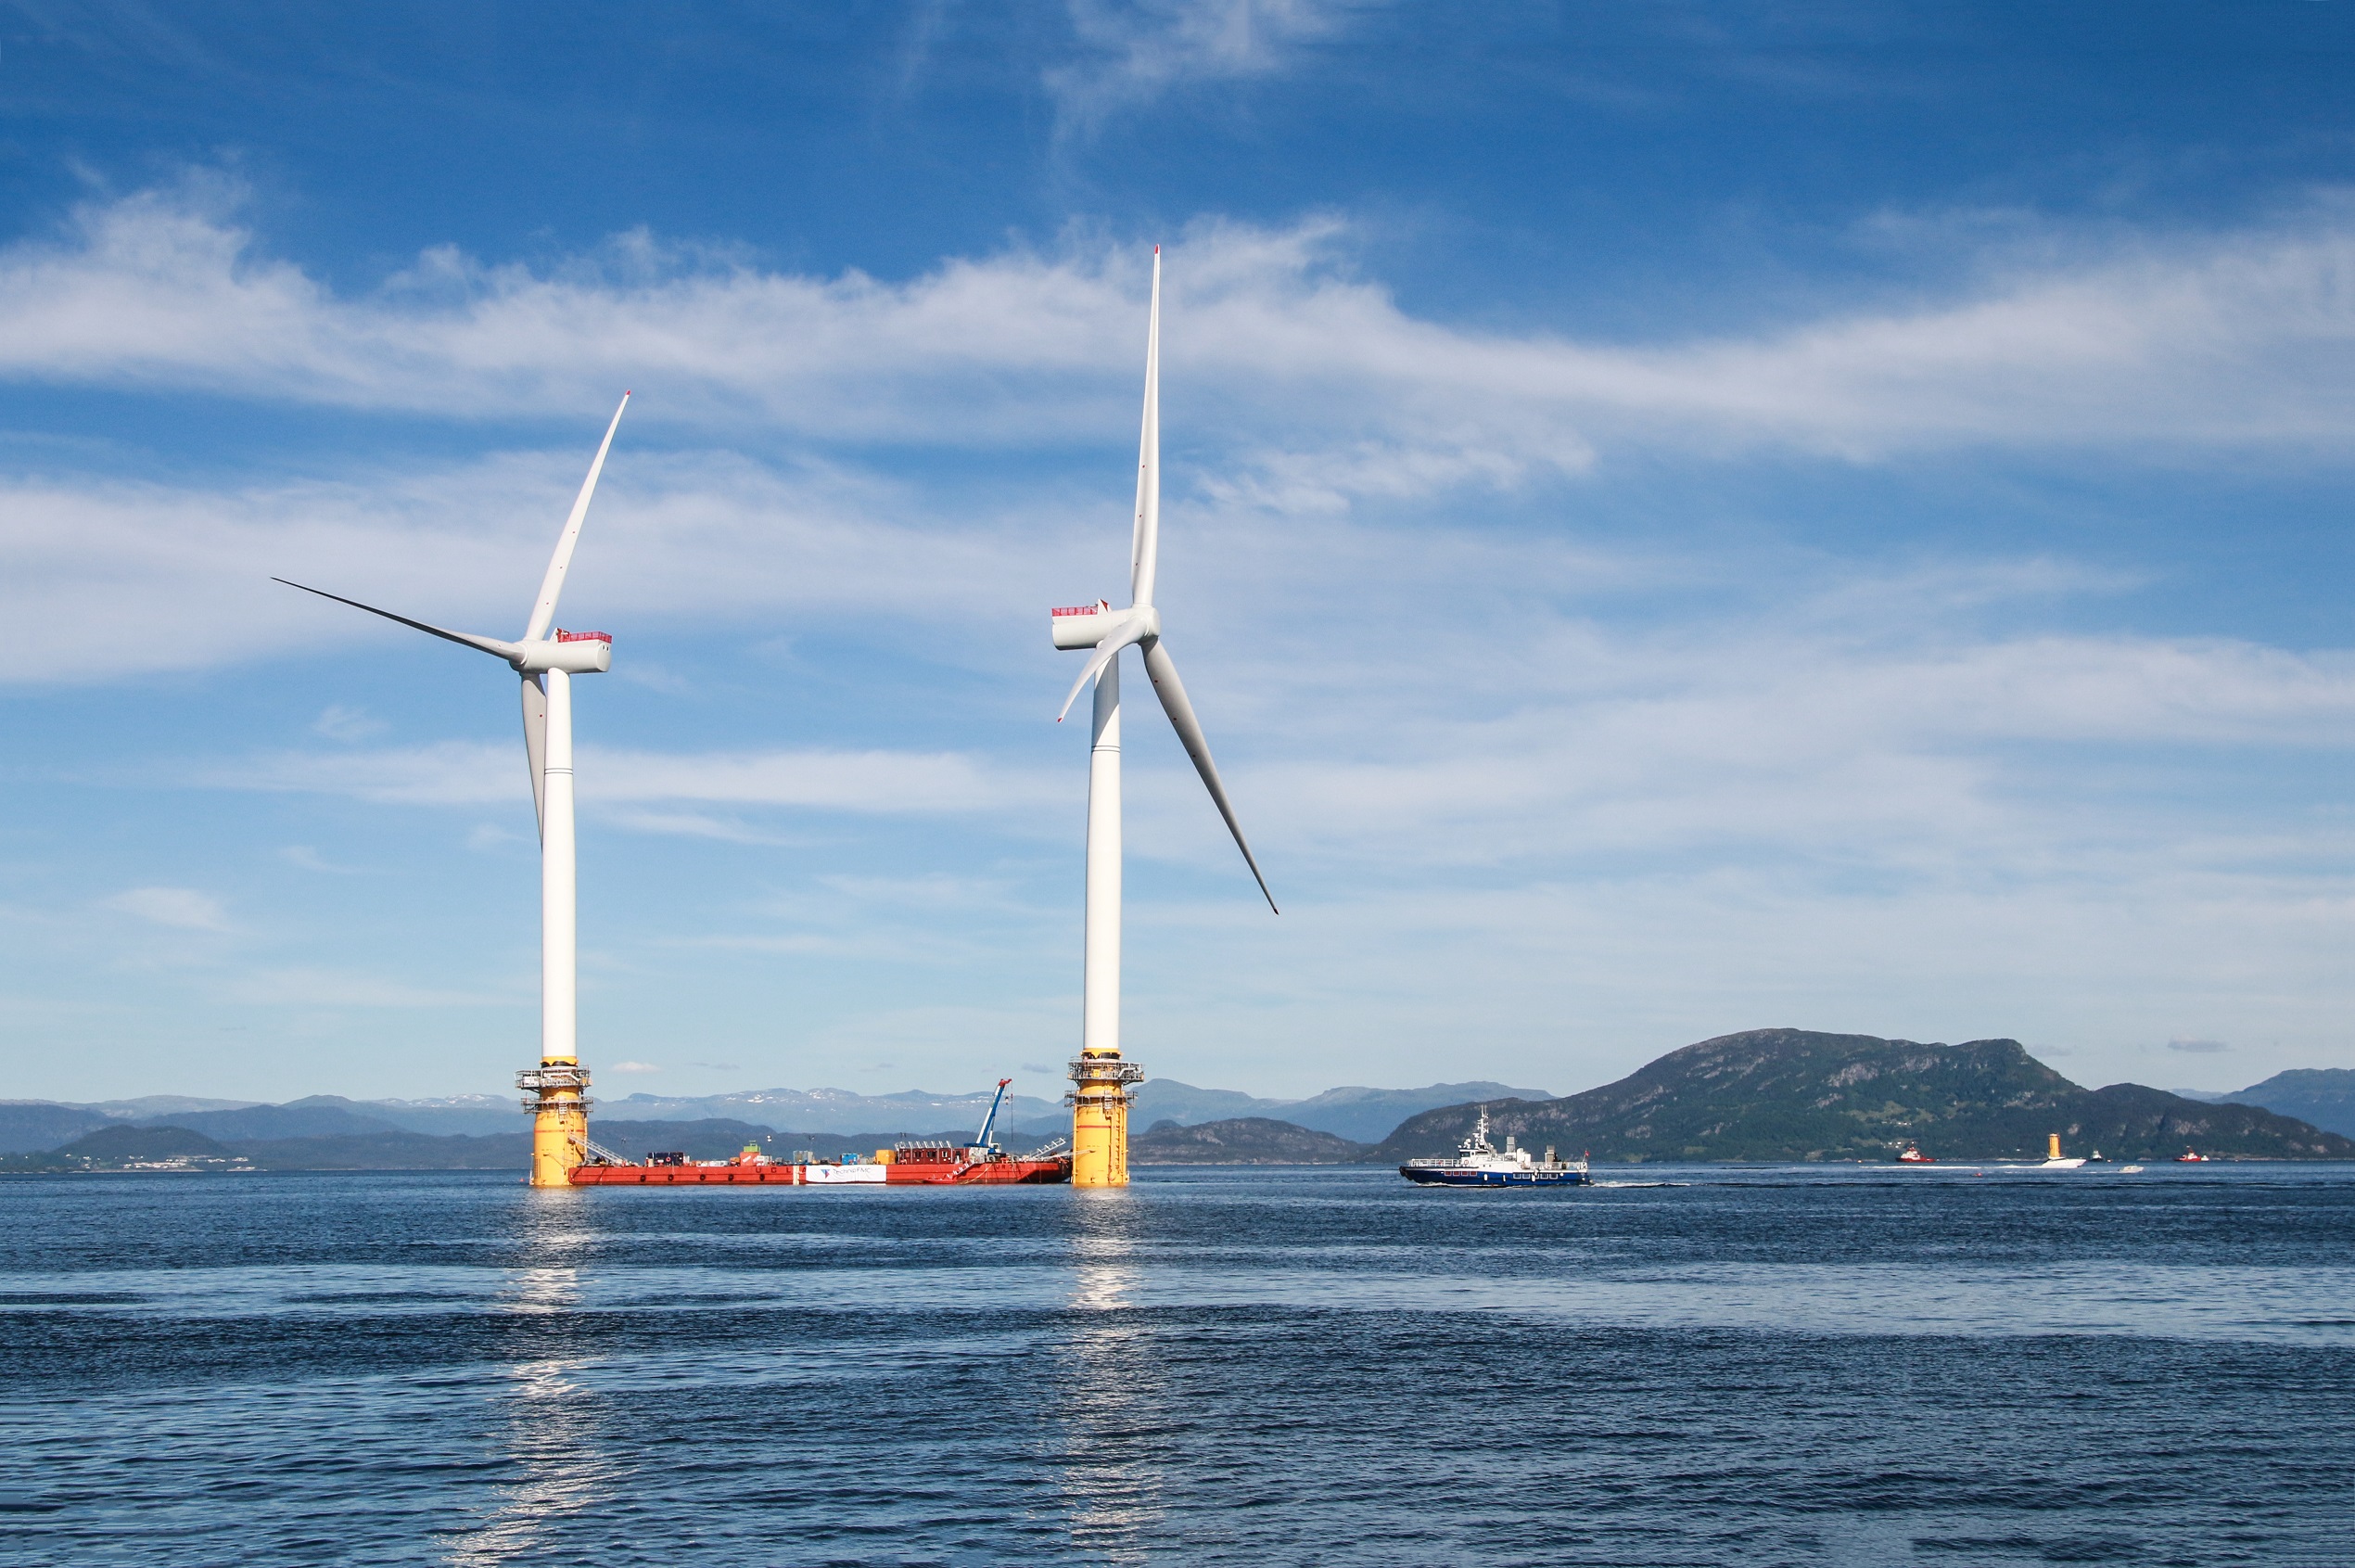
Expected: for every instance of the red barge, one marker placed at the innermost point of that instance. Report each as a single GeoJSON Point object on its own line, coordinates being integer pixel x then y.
{"type": "Point", "coordinates": [909, 1162]}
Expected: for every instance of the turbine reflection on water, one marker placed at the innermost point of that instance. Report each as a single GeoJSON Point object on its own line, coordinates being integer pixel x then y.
{"type": "Point", "coordinates": [1111, 1399]}
{"type": "Point", "coordinates": [552, 1435]}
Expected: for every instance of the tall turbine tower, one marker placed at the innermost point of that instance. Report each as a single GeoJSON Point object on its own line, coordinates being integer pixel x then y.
{"type": "Point", "coordinates": [1099, 1099]}
{"type": "Point", "coordinates": [559, 1085]}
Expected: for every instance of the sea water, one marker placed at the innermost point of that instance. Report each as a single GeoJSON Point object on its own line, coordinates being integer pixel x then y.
{"type": "Point", "coordinates": [1672, 1366]}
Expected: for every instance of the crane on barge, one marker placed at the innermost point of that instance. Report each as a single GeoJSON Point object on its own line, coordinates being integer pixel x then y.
{"type": "Point", "coordinates": [981, 1139]}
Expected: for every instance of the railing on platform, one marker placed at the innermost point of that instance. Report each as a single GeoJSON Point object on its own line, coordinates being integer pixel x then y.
{"type": "Point", "coordinates": [1107, 1069]}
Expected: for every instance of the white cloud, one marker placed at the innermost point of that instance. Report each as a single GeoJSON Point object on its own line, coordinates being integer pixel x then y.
{"type": "Point", "coordinates": [466, 774]}
{"type": "Point", "coordinates": [1798, 725]}
{"type": "Point", "coordinates": [182, 908]}
{"type": "Point", "coordinates": [1305, 391]}
{"type": "Point", "coordinates": [338, 723]}
{"type": "Point", "coordinates": [446, 773]}
{"type": "Point", "coordinates": [103, 577]}
{"type": "Point", "coordinates": [634, 1067]}
{"type": "Point", "coordinates": [1872, 718]}
{"type": "Point", "coordinates": [869, 781]}
{"type": "Point", "coordinates": [698, 825]}
{"type": "Point", "coordinates": [1573, 980]}
{"type": "Point", "coordinates": [2231, 340]}
{"type": "Point", "coordinates": [1134, 51]}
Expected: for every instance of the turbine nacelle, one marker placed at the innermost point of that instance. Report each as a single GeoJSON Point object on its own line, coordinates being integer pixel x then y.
{"type": "Point", "coordinates": [575, 653]}
{"type": "Point", "coordinates": [1087, 626]}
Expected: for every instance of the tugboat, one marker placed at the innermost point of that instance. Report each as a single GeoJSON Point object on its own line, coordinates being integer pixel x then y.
{"type": "Point", "coordinates": [1913, 1155]}
{"type": "Point", "coordinates": [2191, 1158]}
{"type": "Point", "coordinates": [1477, 1162]}
{"type": "Point", "coordinates": [909, 1162]}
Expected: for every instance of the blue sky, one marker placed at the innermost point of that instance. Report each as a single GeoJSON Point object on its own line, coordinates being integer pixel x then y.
{"type": "Point", "coordinates": [1679, 518]}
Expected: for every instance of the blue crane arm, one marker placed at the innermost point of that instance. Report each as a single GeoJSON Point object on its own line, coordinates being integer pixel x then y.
{"type": "Point", "coordinates": [981, 1139]}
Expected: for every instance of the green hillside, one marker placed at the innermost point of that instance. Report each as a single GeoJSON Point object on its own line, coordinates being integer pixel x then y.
{"type": "Point", "coordinates": [1795, 1095]}
{"type": "Point", "coordinates": [120, 1147]}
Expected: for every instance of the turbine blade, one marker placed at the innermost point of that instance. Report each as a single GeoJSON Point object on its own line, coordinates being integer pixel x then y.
{"type": "Point", "coordinates": [544, 612]}
{"type": "Point", "coordinates": [1171, 692]}
{"type": "Point", "coordinates": [1144, 541]}
{"type": "Point", "coordinates": [488, 644]}
{"type": "Point", "coordinates": [535, 745]}
{"type": "Point", "coordinates": [1106, 651]}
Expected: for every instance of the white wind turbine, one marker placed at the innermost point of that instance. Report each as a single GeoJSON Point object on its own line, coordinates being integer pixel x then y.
{"type": "Point", "coordinates": [1099, 1105]}
{"type": "Point", "coordinates": [547, 664]}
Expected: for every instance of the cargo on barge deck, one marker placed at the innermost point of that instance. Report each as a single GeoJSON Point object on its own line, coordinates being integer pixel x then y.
{"type": "Point", "coordinates": [905, 1165]}
{"type": "Point", "coordinates": [911, 1161]}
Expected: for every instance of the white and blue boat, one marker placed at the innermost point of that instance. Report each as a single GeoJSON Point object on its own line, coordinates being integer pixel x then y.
{"type": "Point", "coordinates": [1477, 1162]}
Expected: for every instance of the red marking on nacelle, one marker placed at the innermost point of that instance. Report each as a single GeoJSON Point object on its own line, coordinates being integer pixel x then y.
{"type": "Point", "coordinates": [564, 636]}
{"type": "Point", "coordinates": [1077, 609]}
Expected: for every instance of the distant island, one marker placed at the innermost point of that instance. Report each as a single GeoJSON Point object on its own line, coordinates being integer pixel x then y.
{"type": "Point", "coordinates": [1241, 1141]}
{"type": "Point", "coordinates": [1795, 1095]}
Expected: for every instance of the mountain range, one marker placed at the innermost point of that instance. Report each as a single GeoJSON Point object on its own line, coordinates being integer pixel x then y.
{"type": "Point", "coordinates": [121, 1144]}
{"type": "Point", "coordinates": [1354, 1112]}
{"type": "Point", "coordinates": [28, 1125]}
{"type": "Point", "coordinates": [1796, 1094]}
{"type": "Point", "coordinates": [1764, 1094]}
{"type": "Point", "coordinates": [1362, 1116]}
{"type": "Point", "coordinates": [2325, 1096]}
{"type": "Point", "coordinates": [1359, 1113]}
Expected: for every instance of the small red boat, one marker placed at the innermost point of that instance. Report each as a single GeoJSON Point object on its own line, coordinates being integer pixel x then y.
{"type": "Point", "coordinates": [1913, 1156]}
{"type": "Point", "coordinates": [909, 1162]}
{"type": "Point", "coordinates": [2191, 1158]}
